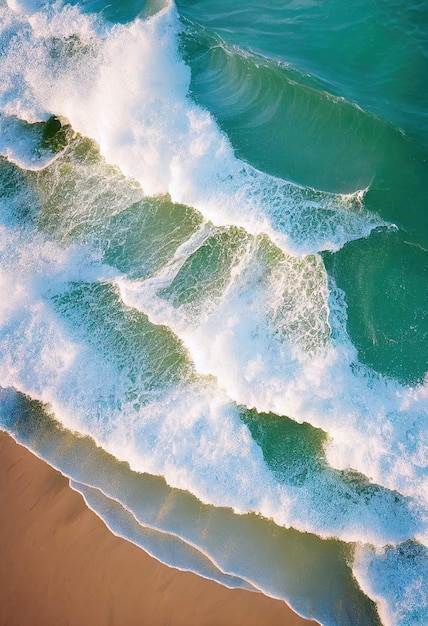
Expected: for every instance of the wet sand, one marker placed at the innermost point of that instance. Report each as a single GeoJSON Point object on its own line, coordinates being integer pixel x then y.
{"type": "Point", "coordinates": [61, 566]}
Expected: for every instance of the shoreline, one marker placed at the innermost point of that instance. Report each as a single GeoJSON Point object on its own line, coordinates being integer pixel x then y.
{"type": "Point", "coordinates": [61, 565]}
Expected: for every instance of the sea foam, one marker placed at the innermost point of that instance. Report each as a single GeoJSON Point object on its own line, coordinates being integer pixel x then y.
{"type": "Point", "coordinates": [109, 372]}
{"type": "Point", "coordinates": [134, 88]}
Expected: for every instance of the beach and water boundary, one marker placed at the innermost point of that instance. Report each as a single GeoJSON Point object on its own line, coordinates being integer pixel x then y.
{"type": "Point", "coordinates": [61, 566]}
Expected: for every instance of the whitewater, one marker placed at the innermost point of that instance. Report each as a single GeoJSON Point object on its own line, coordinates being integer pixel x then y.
{"type": "Point", "coordinates": [171, 340]}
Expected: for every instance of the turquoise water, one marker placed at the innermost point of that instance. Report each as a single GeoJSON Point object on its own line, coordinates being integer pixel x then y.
{"type": "Point", "coordinates": [213, 247]}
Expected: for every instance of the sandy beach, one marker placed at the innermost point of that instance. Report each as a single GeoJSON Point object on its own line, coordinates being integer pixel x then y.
{"type": "Point", "coordinates": [60, 565]}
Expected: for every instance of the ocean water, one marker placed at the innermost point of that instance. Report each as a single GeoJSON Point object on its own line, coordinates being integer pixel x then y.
{"type": "Point", "coordinates": [213, 277]}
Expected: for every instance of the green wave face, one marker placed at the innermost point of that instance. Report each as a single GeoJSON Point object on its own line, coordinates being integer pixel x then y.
{"type": "Point", "coordinates": [289, 123]}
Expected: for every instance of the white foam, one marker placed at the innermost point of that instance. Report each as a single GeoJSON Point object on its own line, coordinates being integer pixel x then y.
{"type": "Point", "coordinates": [127, 88]}
{"type": "Point", "coordinates": [268, 340]}
{"type": "Point", "coordinates": [188, 432]}
{"type": "Point", "coordinates": [397, 578]}
{"type": "Point", "coordinates": [88, 393]}
{"type": "Point", "coordinates": [26, 7]}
